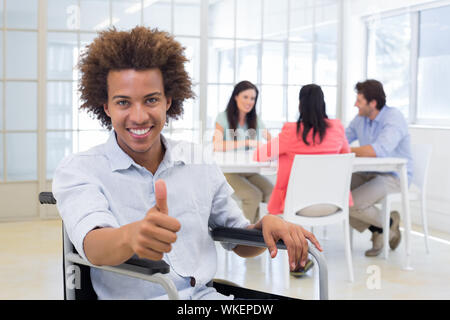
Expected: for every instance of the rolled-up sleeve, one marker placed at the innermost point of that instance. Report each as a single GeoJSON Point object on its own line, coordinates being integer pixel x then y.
{"type": "Point", "coordinates": [81, 203]}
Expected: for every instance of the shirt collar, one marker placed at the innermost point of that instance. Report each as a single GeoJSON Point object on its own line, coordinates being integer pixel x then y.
{"type": "Point", "coordinates": [120, 160]}
{"type": "Point", "coordinates": [174, 155]}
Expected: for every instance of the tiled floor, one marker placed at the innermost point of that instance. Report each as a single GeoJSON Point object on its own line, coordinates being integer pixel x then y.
{"type": "Point", "coordinates": [31, 267]}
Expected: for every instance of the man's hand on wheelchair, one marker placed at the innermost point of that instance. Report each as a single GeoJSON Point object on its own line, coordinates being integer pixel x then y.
{"type": "Point", "coordinates": [294, 237]}
{"type": "Point", "coordinates": [153, 236]}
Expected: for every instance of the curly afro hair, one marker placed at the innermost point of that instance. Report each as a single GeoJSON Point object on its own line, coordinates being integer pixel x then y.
{"type": "Point", "coordinates": [139, 49]}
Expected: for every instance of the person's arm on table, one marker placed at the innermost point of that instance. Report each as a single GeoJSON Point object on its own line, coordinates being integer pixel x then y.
{"type": "Point", "coordinates": [364, 151]}
{"type": "Point", "coordinates": [222, 145]}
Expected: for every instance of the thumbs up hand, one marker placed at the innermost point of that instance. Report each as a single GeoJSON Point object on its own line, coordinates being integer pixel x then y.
{"type": "Point", "coordinates": [161, 196]}
{"type": "Point", "coordinates": [153, 236]}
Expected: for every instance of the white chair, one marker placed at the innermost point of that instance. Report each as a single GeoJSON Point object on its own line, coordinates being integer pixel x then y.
{"type": "Point", "coordinates": [321, 182]}
{"type": "Point", "coordinates": [421, 155]}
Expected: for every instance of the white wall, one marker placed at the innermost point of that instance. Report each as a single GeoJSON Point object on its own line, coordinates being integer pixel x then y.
{"type": "Point", "coordinates": [438, 195]}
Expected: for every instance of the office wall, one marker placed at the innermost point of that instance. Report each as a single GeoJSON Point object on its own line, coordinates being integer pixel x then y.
{"type": "Point", "coordinates": [438, 195]}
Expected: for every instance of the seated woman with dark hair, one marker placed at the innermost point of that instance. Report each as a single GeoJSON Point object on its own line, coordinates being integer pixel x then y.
{"type": "Point", "coordinates": [239, 127]}
{"type": "Point", "coordinates": [313, 133]}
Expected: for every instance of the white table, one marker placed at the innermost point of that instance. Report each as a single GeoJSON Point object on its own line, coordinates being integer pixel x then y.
{"type": "Point", "coordinates": [242, 161]}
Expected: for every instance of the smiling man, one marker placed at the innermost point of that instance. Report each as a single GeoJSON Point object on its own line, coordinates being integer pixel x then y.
{"type": "Point", "coordinates": [140, 193]}
{"type": "Point", "coordinates": [382, 131]}
{"type": "Point", "coordinates": [137, 107]}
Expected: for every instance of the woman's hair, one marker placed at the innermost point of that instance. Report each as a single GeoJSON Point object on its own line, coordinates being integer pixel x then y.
{"type": "Point", "coordinates": [139, 49]}
{"type": "Point", "coordinates": [233, 111]}
{"type": "Point", "coordinates": [312, 112]}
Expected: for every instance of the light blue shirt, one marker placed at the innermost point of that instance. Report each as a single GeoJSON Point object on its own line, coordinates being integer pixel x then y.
{"type": "Point", "coordinates": [387, 134]}
{"type": "Point", "coordinates": [104, 187]}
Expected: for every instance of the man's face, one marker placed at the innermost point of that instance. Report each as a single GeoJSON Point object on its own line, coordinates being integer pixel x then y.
{"type": "Point", "coordinates": [365, 109]}
{"type": "Point", "coordinates": [137, 107]}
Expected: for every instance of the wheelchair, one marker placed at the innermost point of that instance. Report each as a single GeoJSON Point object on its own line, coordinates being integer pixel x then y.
{"type": "Point", "coordinates": [78, 286]}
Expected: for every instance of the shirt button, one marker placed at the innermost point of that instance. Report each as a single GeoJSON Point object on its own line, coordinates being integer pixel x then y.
{"type": "Point", "coordinates": [192, 282]}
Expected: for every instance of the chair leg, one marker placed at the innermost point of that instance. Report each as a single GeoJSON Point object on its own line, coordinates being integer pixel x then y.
{"type": "Point", "coordinates": [316, 276]}
{"type": "Point", "coordinates": [348, 250]}
{"type": "Point", "coordinates": [424, 222]}
{"type": "Point", "coordinates": [386, 211]}
{"type": "Point", "coordinates": [262, 210]}
{"type": "Point", "coordinates": [351, 238]}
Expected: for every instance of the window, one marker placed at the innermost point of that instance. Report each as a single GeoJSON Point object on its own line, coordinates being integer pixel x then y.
{"type": "Point", "coordinates": [279, 46]}
{"type": "Point", "coordinates": [389, 47]}
{"type": "Point", "coordinates": [72, 24]}
{"type": "Point", "coordinates": [407, 53]}
{"type": "Point", "coordinates": [19, 91]}
{"type": "Point", "coordinates": [434, 65]}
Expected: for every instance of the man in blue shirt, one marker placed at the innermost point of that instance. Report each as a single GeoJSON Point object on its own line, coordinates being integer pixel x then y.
{"type": "Point", "coordinates": [140, 193]}
{"type": "Point", "coordinates": [382, 131]}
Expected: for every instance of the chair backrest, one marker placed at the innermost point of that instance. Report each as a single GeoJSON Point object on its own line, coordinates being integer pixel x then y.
{"type": "Point", "coordinates": [421, 155]}
{"type": "Point", "coordinates": [83, 290]}
{"type": "Point", "coordinates": [319, 179]}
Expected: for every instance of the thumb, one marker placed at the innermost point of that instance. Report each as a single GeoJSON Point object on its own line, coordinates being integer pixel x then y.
{"type": "Point", "coordinates": [161, 196]}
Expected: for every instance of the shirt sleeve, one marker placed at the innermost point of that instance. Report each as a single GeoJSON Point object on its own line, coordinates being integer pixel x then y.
{"type": "Point", "coordinates": [81, 204]}
{"type": "Point", "coordinates": [350, 132]}
{"type": "Point", "coordinates": [388, 140]}
{"type": "Point", "coordinates": [224, 210]}
{"type": "Point", "coordinates": [345, 145]}
{"type": "Point", "coordinates": [222, 120]}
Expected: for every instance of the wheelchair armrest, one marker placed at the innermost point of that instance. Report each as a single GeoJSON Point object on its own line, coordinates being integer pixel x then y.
{"type": "Point", "coordinates": [249, 237]}
{"type": "Point", "coordinates": [145, 266]}
{"type": "Point", "coordinates": [134, 264]}
{"type": "Point", "coordinates": [46, 198]}
{"type": "Point", "coordinates": [135, 267]}
{"type": "Point", "coordinates": [254, 237]}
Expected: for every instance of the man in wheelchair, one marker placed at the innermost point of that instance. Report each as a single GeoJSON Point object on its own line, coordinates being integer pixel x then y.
{"type": "Point", "coordinates": [142, 194]}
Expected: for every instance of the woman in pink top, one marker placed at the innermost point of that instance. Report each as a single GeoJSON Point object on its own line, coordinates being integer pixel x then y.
{"type": "Point", "coordinates": [313, 133]}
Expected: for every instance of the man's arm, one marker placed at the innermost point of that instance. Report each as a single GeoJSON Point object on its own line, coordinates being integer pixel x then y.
{"type": "Point", "coordinates": [248, 251]}
{"type": "Point", "coordinates": [294, 237]}
{"type": "Point", "coordinates": [364, 151]}
{"type": "Point", "coordinates": [107, 246]}
{"type": "Point", "coordinates": [350, 131]}
{"type": "Point", "coordinates": [149, 238]}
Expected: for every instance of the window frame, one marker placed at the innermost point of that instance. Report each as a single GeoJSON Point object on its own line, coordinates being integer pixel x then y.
{"type": "Point", "coordinates": [43, 31]}
{"type": "Point", "coordinates": [286, 43]}
{"type": "Point", "coordinates": [414, 12]}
